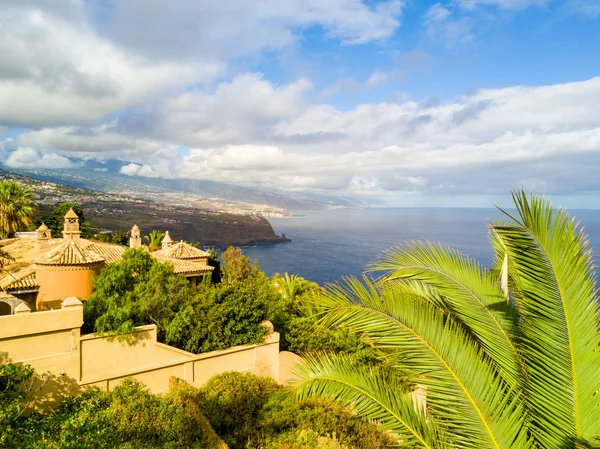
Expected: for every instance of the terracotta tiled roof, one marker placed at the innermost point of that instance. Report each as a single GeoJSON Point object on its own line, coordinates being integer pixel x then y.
{"type": "Point", "coordinates": [167, 238]}
{"type": "Point", "coordinates": [111, 253]}
{"type": "Point", "coordinates": [21, 280]}
{"type": "Point", "coordinates": [69, 253]}
{"type": "Point", "coordinates": [183, 266]}
{"type": "Point", "coordinates": [182, 250]}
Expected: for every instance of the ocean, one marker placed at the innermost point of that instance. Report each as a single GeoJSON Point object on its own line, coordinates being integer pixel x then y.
{"type": "Point", "coordinates": [327, 245]}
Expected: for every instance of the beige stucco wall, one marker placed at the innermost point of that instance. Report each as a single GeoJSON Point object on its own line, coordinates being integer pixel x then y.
{"type": "Point", "coordinates": [102, 357]}
{"type": "Point", "coordinates": [49, 342]}
{"type": "Point", "coordinates": [165, 361]}
{"type": "Point", "coordinates": [67, 362]}
{"type": "Point", "coordinates": [60, 282]}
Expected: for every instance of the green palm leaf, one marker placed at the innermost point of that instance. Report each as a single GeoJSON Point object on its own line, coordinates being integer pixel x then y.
{"type": "Point", "coordinates": [16, 207]}
{"type": "Point", "coordinates": [464, 391]}
{"type": "Point", "coordinates": [465, 291]}
{"type": "Point", "coordinates": [551, 265]}
{"type": "Point", "coordinates": [372, 392]}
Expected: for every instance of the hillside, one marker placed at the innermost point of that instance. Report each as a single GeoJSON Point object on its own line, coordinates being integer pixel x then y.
{"type": "Point", "coordinates": [207, 194]}
{"type": "Point", "coordinates": [119, 212]}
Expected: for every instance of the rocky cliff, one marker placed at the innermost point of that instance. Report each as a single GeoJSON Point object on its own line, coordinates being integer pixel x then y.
{"type": "Point", "coordinates": [192, 225]}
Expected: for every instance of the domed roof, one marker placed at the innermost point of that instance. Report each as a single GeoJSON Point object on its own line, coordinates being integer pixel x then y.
{"type": "Point", "coordinates": [69, 253]}
{"type": "Point", "coordinates": [182, 250]}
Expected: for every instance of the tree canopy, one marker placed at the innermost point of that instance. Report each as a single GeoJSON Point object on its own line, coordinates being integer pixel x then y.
{"type": "Point", "coordinates": [17, 207]}
{"type": "Point", "coordinates": [135, 291]}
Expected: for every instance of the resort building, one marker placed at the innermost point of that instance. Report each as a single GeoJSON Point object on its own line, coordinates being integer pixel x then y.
{"type": "Point", "coordinates": [47, 270]}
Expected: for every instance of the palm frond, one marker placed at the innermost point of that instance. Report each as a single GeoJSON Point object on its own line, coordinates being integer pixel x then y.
{"type": "Point", "coordinates": [551, 265]}
{"type": "Point", "coordinates": [464, 390]}
{"type": "Point", "coordinates": [466, 291]}
{"type": "Point", "coordinates": [371, 392]}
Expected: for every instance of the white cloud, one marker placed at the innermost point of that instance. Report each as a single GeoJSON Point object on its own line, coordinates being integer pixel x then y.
{"type": "Point", "coordinates": [24, 157]}
{"type": "Point", "coordinates": [403, 147]}
{"type": "Point", "coordinates": [237, 111]}
{"type": "Point", "coordinates": [491, 140]}
{"type": "Point", "coordinates": [54, 71]}
{"type": "Point", "coordinates": [239, 27]}
{"type": "Point", "coordinates": [60, 68]}
{"type": "Point", "coordinates": [92, 141]}
{"type": "Point", "coordinates": [436, 14]}
{"type": "Point", "coordinates": [66, 76]}
{"type": "Point", "coordinates": [138, 170]}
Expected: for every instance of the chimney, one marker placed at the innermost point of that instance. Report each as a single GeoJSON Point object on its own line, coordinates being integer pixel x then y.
{"type": "Point", "coordinates": [44, 235]}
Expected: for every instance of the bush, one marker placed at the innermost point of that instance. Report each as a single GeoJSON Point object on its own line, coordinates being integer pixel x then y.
{"type": "Point", "coordinates": [284, 419]}
{"type": "Point", "coordinates": [220, 317]}
{"type": "Point", "coordinates": [13, 393]}
{"type": "Point", "coordinates": [304, 439]}
{"type": "Point", "coordinates": [233, 403]}
{"type": "Point", "coordinates": [129, 417]}
{"type": "Point", "coordinates": [254, 412]}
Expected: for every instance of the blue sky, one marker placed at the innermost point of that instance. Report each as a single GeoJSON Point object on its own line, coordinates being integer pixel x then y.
{"type": "Point", "coordinates": [494, 47]}
{"type": "Point", "coordinates": [416, 103]}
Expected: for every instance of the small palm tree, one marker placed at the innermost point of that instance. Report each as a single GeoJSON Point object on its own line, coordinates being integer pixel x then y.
{"type": "Point", "coordinates": [154, 239]}
{"type": "Point", "coordinates": [16, 207]}
{"type": "Point", "coordinates": [508, 357]}
{"type": "Point", "coordinates": [288, 285]}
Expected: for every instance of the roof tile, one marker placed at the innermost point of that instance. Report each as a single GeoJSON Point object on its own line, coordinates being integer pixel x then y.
{"type": "Point", "coordinates": [69, 253]}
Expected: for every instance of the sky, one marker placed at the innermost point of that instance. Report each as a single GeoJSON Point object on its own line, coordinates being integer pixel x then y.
{"type": "Point", "coordinates": [416, 103]}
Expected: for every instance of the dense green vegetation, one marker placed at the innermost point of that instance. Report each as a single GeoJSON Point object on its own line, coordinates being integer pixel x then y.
{"type": "Point", "coordinates": [138, 290]}
{"type": "Point", "coordinates": [509, 357]}
{"type": "Point", "coordinates": [244, 410]}
{"type": "Point", "coordinates": [254, 412]}
{"type": "Point", "coordinates": [17, 207]}
{"type": "Point", "coordinates": [129, 417]}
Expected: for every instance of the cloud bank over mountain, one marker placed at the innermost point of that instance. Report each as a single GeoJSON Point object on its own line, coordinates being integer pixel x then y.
{"type": "Point", "coordinates": [182, 90]}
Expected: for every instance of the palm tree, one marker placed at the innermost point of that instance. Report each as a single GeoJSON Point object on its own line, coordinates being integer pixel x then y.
{"type": "Point", "coordinates": [288, 285]}
{"type": "Point", "coordinates": [16, 207]}
{"type": "Point", "coordinates": [508, 357]}
{"type": "Point", "coordinates": [154, 239]}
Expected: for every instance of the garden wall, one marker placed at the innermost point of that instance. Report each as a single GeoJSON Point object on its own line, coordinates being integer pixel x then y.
{"type": "Point", "coordinates": [67, 362]}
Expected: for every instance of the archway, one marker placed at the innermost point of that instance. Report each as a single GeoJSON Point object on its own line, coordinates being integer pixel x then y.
{"type": "Point", "coordinates": [5, 308]}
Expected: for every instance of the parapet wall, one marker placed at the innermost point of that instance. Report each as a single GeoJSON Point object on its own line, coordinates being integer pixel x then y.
{"type": "Point", "coordinates": [68, 363]}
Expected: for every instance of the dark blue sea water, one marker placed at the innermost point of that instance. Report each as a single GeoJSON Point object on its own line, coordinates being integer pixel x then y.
{"type": "Point", "coordinates": [327, 245]}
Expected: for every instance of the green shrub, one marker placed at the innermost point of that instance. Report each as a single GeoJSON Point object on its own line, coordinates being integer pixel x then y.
{"type": "Point", "coordinates": [13, 393]}
{"type": "Point", "coordinates": [129, 417]}
{"type": "Point", "coordinates": [304, 439]}
{"type": "Point", "coordinates": [220, 317]}
{"type": "Point", "coordinates": [284, 418]}
{"type": "Point", "coordinates": [254, 412]}
{"type": "Point", "coordinates": [233, 403]}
